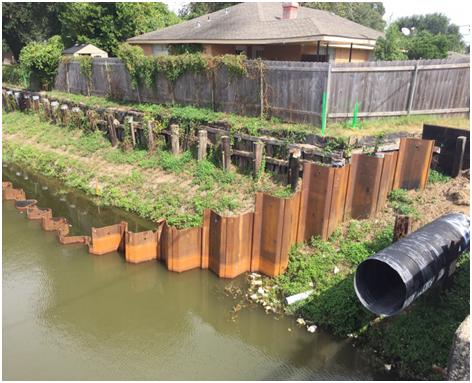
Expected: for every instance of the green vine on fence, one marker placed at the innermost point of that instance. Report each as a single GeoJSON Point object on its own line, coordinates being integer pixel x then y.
{"type": "Point", "coordinates": [143, 70]}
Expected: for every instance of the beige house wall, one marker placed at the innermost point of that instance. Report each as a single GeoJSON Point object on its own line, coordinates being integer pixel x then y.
{"type": "Point", "coordinates": [282, 52]}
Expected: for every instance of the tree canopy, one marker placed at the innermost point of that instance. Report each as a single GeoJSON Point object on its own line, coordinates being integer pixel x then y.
{"type": "Point", "coordinates": [367, 14]}
{"type": "Point", "coordinates": [430, 37]}
{"type": "Point", "coordinates": [26, 22]}
{"type": "Point", "coordinates": [102, 24]}
{"type": "Point", "coordinates": [194, 9]}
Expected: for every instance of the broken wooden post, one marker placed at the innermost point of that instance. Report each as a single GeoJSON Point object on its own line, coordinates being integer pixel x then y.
{"type": "Point", "coordinates": [47, 108]}
{"type": "Point", "coordinates": [27, 99]}
{"type": "Point", "coordinates": [226, 152]}
{"type": "Point", "coordinates": [294, 168]}
{"type": "Point", "coordinates": [202, 144]}
{"type": "Point", "coordinates": [174, 139]}
{"type": "Point", "coordinates": [258, 154]}
{"type": "Point", "coordinates": [459, 156]}
{"type": "Point", "coordinates": [54, 111]}
{"type": "Point", "coordinates": [36, 103]}
{"type": "Point", "coordinates": [402, 227]}
{"type": "Point", "coordinates": [112, 130]}
{"type": "Point", "coordinates": [150, 137]}
{"type": "Point", "coordinates": [18, 97]}
{"type": "Point", "coordinates": [65, 115]}
{"type": "Point", "coordinates": [131, 124]}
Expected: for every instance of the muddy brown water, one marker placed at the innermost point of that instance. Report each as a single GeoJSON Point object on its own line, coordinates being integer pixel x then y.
{"type": "Point", "coordinates": [74, 316]}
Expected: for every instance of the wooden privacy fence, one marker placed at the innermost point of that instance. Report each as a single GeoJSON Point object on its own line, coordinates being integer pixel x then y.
{"type": "Point", "coordinates": [259, 240]}
{"type": "Point", "coordinates": [293, 91]}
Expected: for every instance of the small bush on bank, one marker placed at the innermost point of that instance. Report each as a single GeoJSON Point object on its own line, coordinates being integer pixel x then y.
{"type": "Point", "coordinates": [12, 74]}
{"type": "Point", "coordinates": [402, 203]}
{"type": "Point", "coordinates": [436, 177]}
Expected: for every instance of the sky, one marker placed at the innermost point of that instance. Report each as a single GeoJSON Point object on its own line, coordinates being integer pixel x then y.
{"type": "Point", "coordinates": [456, 10]}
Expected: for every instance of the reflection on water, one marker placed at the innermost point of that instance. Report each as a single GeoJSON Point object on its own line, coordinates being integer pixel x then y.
{"type": "Point", "coordinates": [71, 315]}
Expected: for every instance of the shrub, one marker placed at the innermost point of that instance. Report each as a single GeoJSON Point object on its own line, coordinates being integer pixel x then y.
{"type": "Point", "coordinates": [12, 74]}
{"type": "Point", "coordinates": [40, 60]}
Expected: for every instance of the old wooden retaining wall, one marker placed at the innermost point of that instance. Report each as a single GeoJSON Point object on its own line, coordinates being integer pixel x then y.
{"type": "Point", "coordinates": [259, 240]}
{"type": "Point", "coordinates": [245, 151]}
{"type": "Point", "coordinates": [293, 91]}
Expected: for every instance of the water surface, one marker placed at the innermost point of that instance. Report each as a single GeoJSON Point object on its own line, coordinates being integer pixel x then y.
{"type": "Point", "coordinates": [71, 315]}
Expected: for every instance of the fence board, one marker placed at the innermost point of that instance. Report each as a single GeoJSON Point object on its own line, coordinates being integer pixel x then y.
{"type": "Point", "coordinates": [293, 91]}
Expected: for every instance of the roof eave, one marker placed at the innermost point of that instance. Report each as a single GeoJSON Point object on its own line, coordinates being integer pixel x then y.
{"type": "Point", "coordinates": [339, 39]}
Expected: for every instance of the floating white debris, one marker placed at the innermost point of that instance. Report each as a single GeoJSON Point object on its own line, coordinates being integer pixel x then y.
{"type": "Point", "coordinates": [257, 283]}
{"type": "Point", "coordinates": [254, 297]}
{"type": "Point", "coordinates": [388, 367]}
{"type": "Point", "coordinates": [298, 297]}
{"type": "Point", "coordinates": [45, 188]}
{"type": "Point", "coordinates": [25, 177]}
{"type": "Point", "coordinates": [72, 206]}
{"type": "Point", "coordinates": [62, 199]}
{"type": "Point", "coordinates": [18, 173]}
{"type": "Point", "coordinates": [301, 321]}
{"type": "Point", "coordinates": [261, 291]}
{"type": "Point", "coordinates": [311, 328]}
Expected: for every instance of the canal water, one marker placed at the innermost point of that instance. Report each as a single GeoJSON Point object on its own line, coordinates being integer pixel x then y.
{"type": "Point", "coordinates": [74, 316]}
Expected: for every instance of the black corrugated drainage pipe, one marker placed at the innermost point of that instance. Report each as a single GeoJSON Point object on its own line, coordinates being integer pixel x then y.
{"type": "Point", "coordinates": [387, 282]}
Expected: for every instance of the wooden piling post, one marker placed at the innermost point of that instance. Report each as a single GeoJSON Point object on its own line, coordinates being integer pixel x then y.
{"type": "Point", "coordinates": [459, 156]}
{"type": "Point", "coordinates": [54, 111]}
{"type": "Point", "coordinates": [174, 139]}
{"type": "Point", "coordinates": [402, 227]}
{"type": "Point", "coordinates": [47, 108]}
{"type": "Point", "coordinates": [202, 144]}
{"type": "Point", "coordinates": [65, 114]}
{"type": "Point", "coordinates": [112, 130]}
{"type": "Point", "coordinates": [258, 153]}
{"type": "Point", "coordinates": [226, 153]}
{"type": "Point", "coordinates": [36, 103]}
{"type": "Point", "coordinates": [132, 130]}
{"type": "Point", "coordinates": [150, 137]}
{"type": "Point", "coordinates": [294, 168]}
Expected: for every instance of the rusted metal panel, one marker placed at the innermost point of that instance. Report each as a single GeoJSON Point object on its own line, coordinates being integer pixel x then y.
{"type": "Point", "coordinates": [363, 186]}
{"type": "Point", "coordinates": [183, 248]}
{"type": "Point", "coordinates": [217, 243]}
{"type": "Point", "coordinates": [338, 197]}
{"type": "Point", "coordinates": [142, 246]}
{"type": "Point", "coordinates": [289, 230]}
{"type": "Point", "coordinates": [387, 178]}
{"type": "Point", "coordinates": [206, 239]}
{"type": "Point", "coordinates": [107, 239]}
{"type": "Point", "coordinates": [315, 201]}
{"type": "Point", "coordinates": [414, 160]}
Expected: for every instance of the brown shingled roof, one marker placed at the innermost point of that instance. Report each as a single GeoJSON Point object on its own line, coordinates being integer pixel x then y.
{"type": "Point", "coordinates": [259, 22]}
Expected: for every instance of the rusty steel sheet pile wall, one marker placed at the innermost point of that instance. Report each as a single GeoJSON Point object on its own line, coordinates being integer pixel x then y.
{"type": "Point", "coordinates": [414, 161]}
{"type": "Point", "coordinates": [258, 240]}
{"type": "Point", "coordinates": [322, 200]}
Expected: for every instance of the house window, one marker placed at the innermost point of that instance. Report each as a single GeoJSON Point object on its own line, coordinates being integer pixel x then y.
{"type": "Point", "coordinates": [241, 49]}
{"type": "Point", "coordinates": [160, 50]}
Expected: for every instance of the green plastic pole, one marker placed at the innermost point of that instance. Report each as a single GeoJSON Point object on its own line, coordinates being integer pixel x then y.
{"type": "Point", "coordinates": [354, 117]}
{"type": "Point", "coordinates": [323, 114]}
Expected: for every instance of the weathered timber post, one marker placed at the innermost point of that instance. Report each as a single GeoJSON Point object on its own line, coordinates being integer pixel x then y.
{"type": "Point", "coordinates": [27, 99]}
{"type": "Point", "coordinates": [411, 93]}
{"type": "Point", "coordinates": [202, 144]}
{"type": "Point", "coordinates": [5, 101]}
{"type": "Point", "coordinates": [226, 153]}
{"type": "Point", "coordinates": [65, 115]}
{"type": "Point", "coordinates": [294, 168]}
{"type": "Point", "coordinates": [402, 227]}
{"type": "Point", "coordinates": [132, 131]}
{"type": "Point", "coordinates": [36, 103]}
{"type": "Point", "coordinates": [459, 156]}
{"type": "Point", "coordinates": [54, 111]}
{"type": "Point", "coordinates": [18, 100]}
{"type": "Point", "coordinates": [150, 138]}
{"type": "Point", "coordinates": [112, 130]}
{"type": "Point", "coordinates": [258, 153]}
{"type": "Point", "coordinates": [47, 108]}
{"type": "Point", "coordinates": [174, 139]}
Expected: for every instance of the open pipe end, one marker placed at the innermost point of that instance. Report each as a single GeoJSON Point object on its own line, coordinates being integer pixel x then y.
{"type": "Point", "coordinates": [379, 287]}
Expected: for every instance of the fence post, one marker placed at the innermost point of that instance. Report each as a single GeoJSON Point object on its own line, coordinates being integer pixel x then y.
{"type": "Point", "coordinates": [112, 130]}
{"type": "Point", "coordinates": [36, 103]}
{"type": "Point", "coordinates": [202, 144]}
{"type": "Point", "coordinates": [459, 156]}
{"type": "Point", "coordinates": [261, 91]}
{"type": "Point", "coordinates": [258, 153]}
{"type": "Point", "coordinates": [54, 111]}
{"type": "Point", "coordinates": [67, 78]}
{"type": "Point", "coordinates": [325, 103]}
{"type": "Point", "coordinates": [411, 93]}
{"type": "Point", "coordinates": [226, 152]}
{"type": "Point", "coordinates": [174, 139]}
{"type": "Point", "coordinates": [402, 227]}
{"type": "Point", "coordinates": [294, 167]}
{"type": "Point", "coordinates": [107, 71]}
{"type": "Point", "coordinates": [47, 108]}
{"type": "Point", "coordinates": [150, 137]}
{"type": "Point", "coordinates": [65, 117]}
